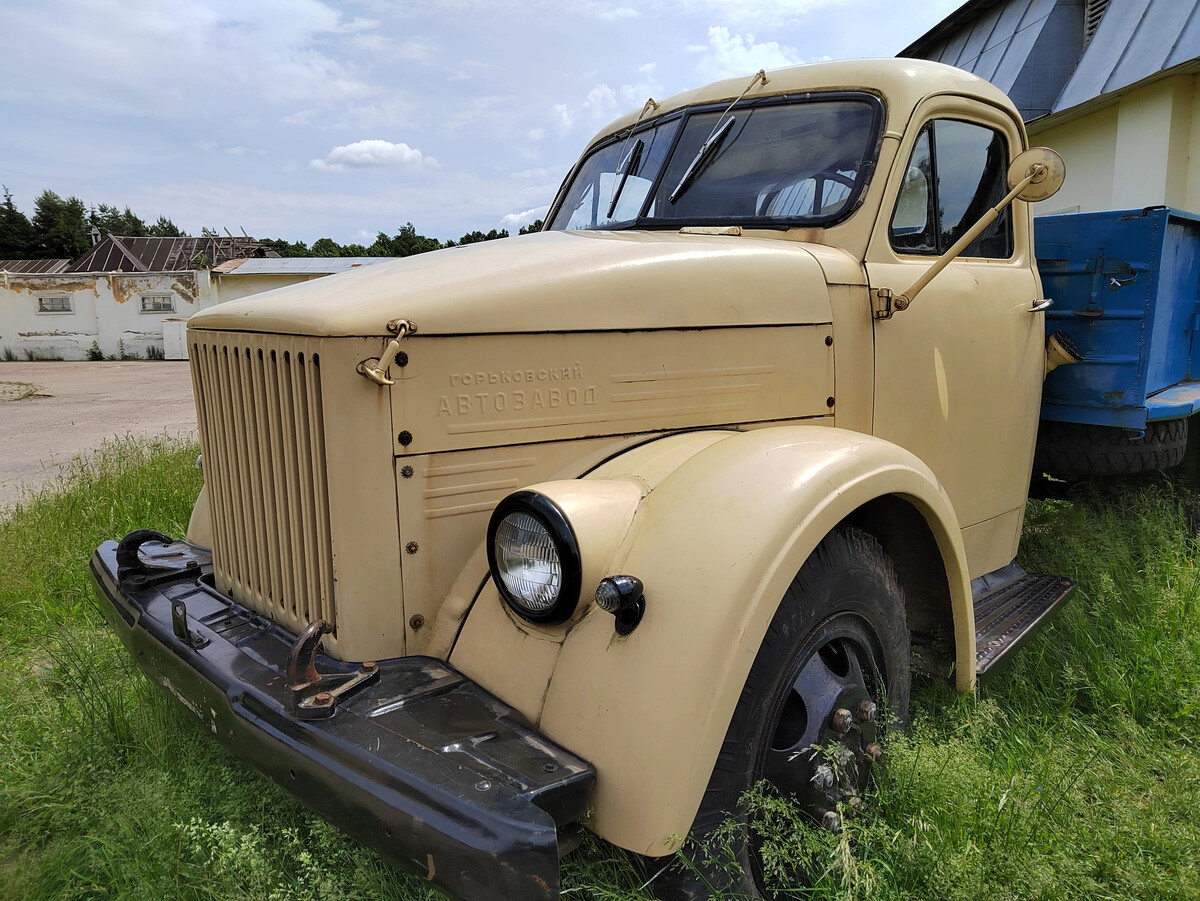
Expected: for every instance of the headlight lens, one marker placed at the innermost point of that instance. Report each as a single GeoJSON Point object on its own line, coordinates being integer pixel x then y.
{"type": "Point", "coordinates": [534, 557]}
{"type": "Point", "coordinates": [528, 561]}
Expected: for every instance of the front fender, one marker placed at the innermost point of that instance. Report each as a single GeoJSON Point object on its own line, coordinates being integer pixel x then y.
{"type": "Point", "coordinates": [716, 541]}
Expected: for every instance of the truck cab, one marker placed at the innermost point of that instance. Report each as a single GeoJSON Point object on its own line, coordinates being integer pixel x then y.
{"type": "Point", "coordinates": [605, 524]}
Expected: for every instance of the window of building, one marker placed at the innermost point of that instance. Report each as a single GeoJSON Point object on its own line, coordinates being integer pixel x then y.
{"type": "Point", "coordinates": [158, 303]}
{"type": "Point", "coordinates": [60, 303]}
{"type": "Point", "coordinates": [956, 174]}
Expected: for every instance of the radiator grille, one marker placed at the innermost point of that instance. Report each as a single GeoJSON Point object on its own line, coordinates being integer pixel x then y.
{"type": "Point", "coordinates": [262, 431]}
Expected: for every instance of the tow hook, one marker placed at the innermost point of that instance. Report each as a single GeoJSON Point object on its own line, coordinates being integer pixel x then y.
{"type": "Point", "coordinates": [314, 695]}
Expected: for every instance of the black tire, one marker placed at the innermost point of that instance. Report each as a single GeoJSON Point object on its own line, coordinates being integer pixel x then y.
{"type": "Point", "coordinates": [839, 639]}
{"type": "Point", "coordinates": [1072, 449]}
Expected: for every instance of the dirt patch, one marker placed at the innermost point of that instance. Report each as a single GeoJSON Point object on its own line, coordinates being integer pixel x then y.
{"type": "Point", "coordinates": [68, 409]}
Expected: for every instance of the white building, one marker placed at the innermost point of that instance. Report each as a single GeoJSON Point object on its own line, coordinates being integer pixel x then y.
{"type": "Point", "coordinates": [126, 294]}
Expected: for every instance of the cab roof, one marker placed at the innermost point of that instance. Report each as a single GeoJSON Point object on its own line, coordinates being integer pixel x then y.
{"type": "Point", "coordinates": [902, 83]}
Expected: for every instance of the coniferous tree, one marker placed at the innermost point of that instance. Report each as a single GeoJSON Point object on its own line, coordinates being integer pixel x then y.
{"type": "Point", "coordinates": [16, 232]}
{"type": "Point", "coordinates": [165, 228]}
{"type": "Point", "coordinates": [60, 227]}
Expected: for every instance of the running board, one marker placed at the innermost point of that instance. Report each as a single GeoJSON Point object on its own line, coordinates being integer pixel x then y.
{"type": "Point", "coordinates": [1010, 605]}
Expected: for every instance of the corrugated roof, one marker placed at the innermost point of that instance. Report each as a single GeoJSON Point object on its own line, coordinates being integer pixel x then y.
{"type": "Point", "coordinates": [34, 267]}
{"type": "Point", "coordinates": [1135, 40]}
{"type": "Point", "coordinates": [115, 254]}
{"type": "Point", "coordinates": [1038, 53]}
{"type": "Point", "coordinates": [297, 265]}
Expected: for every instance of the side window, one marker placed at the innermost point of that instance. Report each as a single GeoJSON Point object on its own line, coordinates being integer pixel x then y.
{"type": "Point", "coordinates": [914, 223]}
{"type": "Point", "coordinates": [959, 168]}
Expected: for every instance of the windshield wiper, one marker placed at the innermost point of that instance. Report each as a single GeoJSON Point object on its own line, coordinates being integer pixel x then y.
{"type": "Point", "coordinates": [703, 155]}
{"type": "Point", "coordinates": [628, 167]}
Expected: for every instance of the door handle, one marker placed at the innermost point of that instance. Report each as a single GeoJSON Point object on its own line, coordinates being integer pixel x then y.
{"type": "Point", "coordinates": [1040, 305]}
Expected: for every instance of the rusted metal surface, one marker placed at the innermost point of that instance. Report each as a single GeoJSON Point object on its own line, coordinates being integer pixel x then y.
{"type": "Point", "coordinates": [399, 765]}
{"type": "Point", "coordinates": [33, 267]}
{"type": "Point", "coordinates": [115, 254]}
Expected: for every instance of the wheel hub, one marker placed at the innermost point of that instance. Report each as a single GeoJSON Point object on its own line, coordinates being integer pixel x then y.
{"type": "Point", "coordinates": [825, 741]}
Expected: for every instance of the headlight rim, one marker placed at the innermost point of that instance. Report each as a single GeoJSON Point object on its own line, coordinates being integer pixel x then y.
{"type": "Point", "coordinates": [559, 528]}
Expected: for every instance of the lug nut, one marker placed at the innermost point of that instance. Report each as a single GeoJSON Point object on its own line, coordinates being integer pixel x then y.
{"type": "Point", "coordinates": [873, 753]}
{"type": "Point", "coordinates": [866, 710]}
{"type": "Point", "coordinates": [823, 777]}
{"type": "Point", "coordinates": [832, 821]}
{"type": "Point", "coordinates": [841, 721]}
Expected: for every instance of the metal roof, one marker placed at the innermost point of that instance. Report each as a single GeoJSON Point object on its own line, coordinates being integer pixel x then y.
{"type": "Point", "coordinates": [1039, 53]}
{"type": "Point", "coordinates": [296, 265]}
{"type": "Point", "coordinates": [1135, 40]}
{"type": "Point", "coordinates": [114, 254]}
{"type": "Point", "coordinates": [33, 267]}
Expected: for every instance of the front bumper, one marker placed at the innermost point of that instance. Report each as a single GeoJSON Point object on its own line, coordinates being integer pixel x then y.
{"type": "Point", "coordinates": [421, 764]}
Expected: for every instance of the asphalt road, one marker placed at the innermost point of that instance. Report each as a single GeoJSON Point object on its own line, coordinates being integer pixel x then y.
{"type": "Point", "coordinates": [74, 407]}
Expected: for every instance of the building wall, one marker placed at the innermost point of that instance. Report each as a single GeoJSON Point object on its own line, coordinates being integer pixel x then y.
{"type": "Point", "coordinates": [106, 309]}
{"type": "Point", "coordinates": [1140, 150]}
{"type": "Point", "coordinates": [235, 285]}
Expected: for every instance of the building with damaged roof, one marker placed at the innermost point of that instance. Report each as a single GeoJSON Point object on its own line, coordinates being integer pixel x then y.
{"type": "Point", "coordinates": [133, 296]}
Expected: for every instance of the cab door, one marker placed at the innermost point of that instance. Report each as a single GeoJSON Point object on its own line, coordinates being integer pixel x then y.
{"type": "Point", "coordinates": [958, 374]}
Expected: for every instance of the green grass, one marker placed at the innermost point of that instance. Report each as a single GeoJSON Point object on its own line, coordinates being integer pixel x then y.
{"type": "Point", "coordinates": [1075, 774]}
{"type": "Point", "coordinates": [16, 391]}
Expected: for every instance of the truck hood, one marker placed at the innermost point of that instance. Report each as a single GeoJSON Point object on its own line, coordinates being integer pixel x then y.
{"type": "Point", "coordinates": [552, 282]}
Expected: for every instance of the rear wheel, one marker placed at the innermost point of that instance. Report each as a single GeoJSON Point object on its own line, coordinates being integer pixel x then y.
{"type": "Point", "coordinates": [1072, 449]}
{"type": "Point", "coordinates": [831, 675]}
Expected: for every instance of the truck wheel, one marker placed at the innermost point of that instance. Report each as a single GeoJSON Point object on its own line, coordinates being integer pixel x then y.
{"type": "Point", "coordinates": [1067, 449]}
{"type": "Point", "coordinates": [832, 673]}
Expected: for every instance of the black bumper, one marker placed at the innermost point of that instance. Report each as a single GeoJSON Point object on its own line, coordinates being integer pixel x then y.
{"type": "Point", "coordinates": [422, 764]}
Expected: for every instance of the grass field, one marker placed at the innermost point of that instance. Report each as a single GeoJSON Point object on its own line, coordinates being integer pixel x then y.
{"type": "Point", "coordinates": [1075, 774]}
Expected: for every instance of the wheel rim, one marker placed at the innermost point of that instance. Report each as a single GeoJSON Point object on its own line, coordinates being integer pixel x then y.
{"type": "Point", "coordinates": [823, 736]}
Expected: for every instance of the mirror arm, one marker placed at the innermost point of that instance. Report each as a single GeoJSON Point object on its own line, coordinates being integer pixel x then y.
{"type": "Point", "coordinates": [888, 302]}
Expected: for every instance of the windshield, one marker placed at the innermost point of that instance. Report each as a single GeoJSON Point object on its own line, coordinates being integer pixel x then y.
{"type": "Point", "coordinates": [775, 164]}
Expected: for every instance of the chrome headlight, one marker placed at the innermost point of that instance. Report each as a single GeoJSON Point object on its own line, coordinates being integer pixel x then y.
{"type": "Point", "coordinates": [534, 557]}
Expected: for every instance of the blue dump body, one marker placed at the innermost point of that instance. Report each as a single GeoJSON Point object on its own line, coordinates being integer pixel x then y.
{"type": "Point", "coordinates": [1126, 290]}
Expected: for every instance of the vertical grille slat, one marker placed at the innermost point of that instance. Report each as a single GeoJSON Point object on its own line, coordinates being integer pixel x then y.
{"type": "Point", "coordinates": [263, 435]}
{"type": "Point", "coordinates": [228, 434]}
{"type": "Point", "coordinates": [308, 503]}
{"type": "Point", "coordinates": [316, 416]}
{"type": "Point", "coordinates": [265, 475]}
{"type": "Point", "coordinates": [249, 472]}
{"type": "Point", "coordinates": [278, 476]}
{"type": "Point", "coordinates": [290, 531]}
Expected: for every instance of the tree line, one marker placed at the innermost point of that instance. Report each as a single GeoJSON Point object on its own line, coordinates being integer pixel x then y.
{"type": "Point", "coordinates": [61, 228]}
{"type": "Point", "coordinates": [404, 243]}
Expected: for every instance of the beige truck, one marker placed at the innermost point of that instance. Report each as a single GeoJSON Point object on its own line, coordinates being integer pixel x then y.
{"type": "Point", "coordinates": [601, 526]}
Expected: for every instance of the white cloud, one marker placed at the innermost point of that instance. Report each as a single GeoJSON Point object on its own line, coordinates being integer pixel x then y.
{"type": "Point", "coordinates": [604, 103]}
{"type": "Point", "coordinates": [563, 117]}
{"type": "Point", "coordinates": [729, 55]}
{"type": "Point", "coordinates": [301, 117]}
{"type": "Point", "coordinates": [515, 221]}
{"type": "Point", "coordinates": [373, 152]}
{"type": "Point", "coordinates": [601, 102]}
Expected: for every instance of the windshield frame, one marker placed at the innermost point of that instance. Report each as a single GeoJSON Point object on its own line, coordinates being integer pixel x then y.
{"type": "Point", "coordinates": [642, 221]}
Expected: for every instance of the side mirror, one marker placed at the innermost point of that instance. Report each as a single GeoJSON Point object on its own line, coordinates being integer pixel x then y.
{"type": "Point", "coordinates": [1033, 175]}
{"type": "Point", "coordinates": [1045, 170]}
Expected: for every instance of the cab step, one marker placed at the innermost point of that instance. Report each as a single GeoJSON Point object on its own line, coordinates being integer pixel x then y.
{"type": "Point", "coordinates": [1010, 605]}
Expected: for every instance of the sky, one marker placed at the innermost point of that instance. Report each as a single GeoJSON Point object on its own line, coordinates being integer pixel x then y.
{"type": "Point", "coordinates": [302, 119]}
